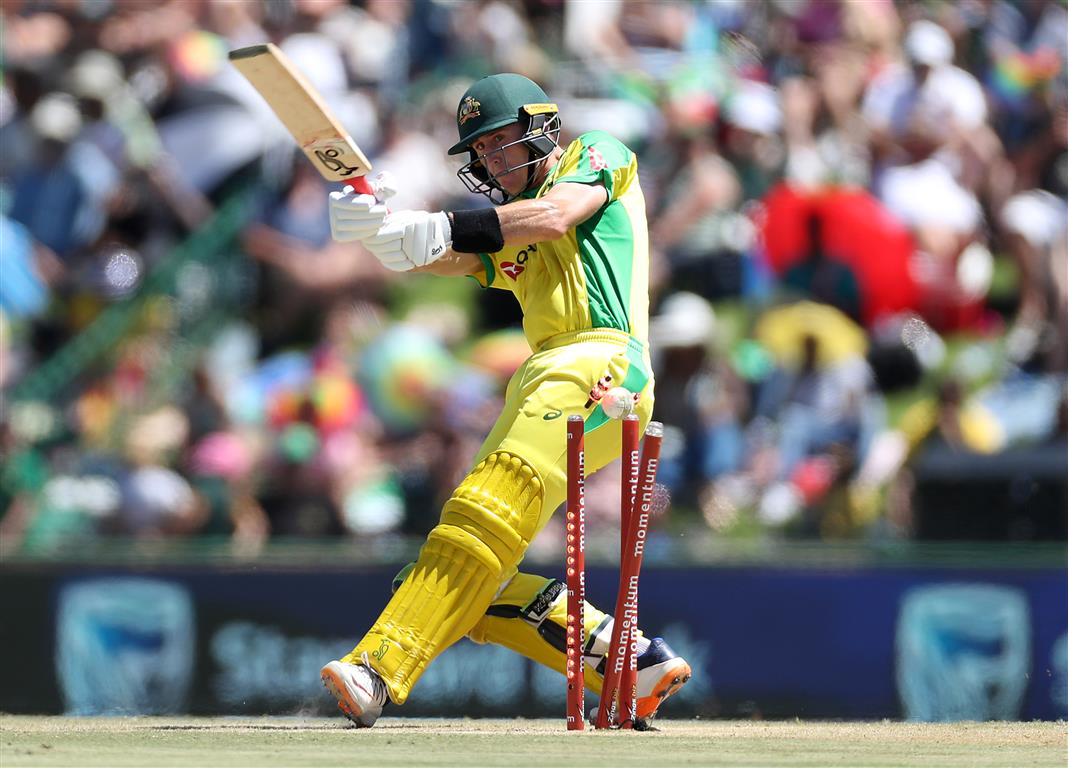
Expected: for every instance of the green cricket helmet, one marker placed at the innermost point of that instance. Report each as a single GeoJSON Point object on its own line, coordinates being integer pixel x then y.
{"type": "Point", "coordinates": [491, 104]}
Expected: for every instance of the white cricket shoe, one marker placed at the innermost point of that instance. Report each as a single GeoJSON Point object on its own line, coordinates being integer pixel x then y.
{"type": "Point", "coordinates": [359, 690]}
{"type": "Point", "coordinates": [661, 673]}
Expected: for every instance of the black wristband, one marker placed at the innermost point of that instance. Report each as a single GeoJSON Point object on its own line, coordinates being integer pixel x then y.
{"type": "Point", "coordinates": [477, 231]}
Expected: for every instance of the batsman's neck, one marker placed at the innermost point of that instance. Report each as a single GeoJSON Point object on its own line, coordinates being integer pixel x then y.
{"type": "Point", "coordinates": [546, 166]}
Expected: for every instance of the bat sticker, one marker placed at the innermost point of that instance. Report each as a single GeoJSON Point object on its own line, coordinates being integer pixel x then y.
{"type": "Point", "coordinates": [332, 158]}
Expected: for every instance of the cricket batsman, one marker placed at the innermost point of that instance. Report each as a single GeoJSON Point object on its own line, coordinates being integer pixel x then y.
{"type": "Point", "coordinates": [568, 237]}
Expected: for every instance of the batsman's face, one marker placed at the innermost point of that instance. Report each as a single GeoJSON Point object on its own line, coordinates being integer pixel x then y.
{"type": "Point", "coordinates": [501, 152]}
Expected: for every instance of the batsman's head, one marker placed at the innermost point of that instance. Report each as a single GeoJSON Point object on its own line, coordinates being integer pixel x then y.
{"type": "Point", "coordinates": [509, 127]}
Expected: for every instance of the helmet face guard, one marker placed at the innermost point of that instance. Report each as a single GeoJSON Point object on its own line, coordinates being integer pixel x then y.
{"type": "Point", "coordinates": [541, 137]}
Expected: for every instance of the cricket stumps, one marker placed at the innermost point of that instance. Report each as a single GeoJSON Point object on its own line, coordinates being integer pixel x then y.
{"type": "Point", "coordinates": [617, 707]}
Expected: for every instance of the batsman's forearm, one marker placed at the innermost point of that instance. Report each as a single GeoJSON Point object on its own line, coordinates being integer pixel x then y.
{"type": "Point", "coordinates": [526, 221]}
{"type": "Point", "coordinates": [533, 221]}
{"type": "Point", "coordinates": [551, 217]}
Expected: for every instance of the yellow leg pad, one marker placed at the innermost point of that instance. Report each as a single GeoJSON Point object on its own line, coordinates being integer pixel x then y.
{"type": "Point", "coordinates": [484, 531]}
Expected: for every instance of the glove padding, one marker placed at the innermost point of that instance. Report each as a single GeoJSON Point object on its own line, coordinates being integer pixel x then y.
{"type": "Point", "coordinates": [410, 239]}
{"type": "Point", "coordinates": [356, 217]}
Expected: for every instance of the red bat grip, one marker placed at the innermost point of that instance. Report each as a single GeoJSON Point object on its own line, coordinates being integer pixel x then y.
{"type": "Point", "coordinates": [361, 185]}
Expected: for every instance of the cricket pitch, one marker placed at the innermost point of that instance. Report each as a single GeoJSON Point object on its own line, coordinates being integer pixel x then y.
{"type": "Point", "coordinates": [162, 742]}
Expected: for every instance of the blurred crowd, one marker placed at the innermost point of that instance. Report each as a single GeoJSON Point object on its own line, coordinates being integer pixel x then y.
{"type": "Point", "coordinates": [858, 212]}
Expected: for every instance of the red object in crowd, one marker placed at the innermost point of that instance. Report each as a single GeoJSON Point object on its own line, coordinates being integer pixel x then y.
{"type": "Point", "coordinates": [857, 231]}
{"type": "Point", "coordinates": [812, 478]}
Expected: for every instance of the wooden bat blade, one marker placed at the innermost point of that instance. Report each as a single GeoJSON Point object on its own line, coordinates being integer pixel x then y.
{"type": "Point", "coordinates": [304, 114]}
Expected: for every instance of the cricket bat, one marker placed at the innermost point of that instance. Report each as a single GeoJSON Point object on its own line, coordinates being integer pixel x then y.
{"type": "Point", "coordinates": [304, 114]}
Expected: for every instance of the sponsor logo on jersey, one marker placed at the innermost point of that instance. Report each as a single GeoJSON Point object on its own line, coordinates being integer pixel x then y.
{"type": "Point", "coordinates": [515, 268]}
{"type": "Point", "coordinates": [468, 109]}
{"type": "Point", "coordinates": [597, 161]}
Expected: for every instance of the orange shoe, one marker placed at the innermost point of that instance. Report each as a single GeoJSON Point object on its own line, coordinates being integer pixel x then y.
{"type": "Point", "coordinates": [661, 673]}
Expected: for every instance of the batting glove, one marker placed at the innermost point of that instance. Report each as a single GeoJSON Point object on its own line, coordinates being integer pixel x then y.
{"type": "Point", "coordinates": [357, 217]}
{"type": "Point", "coordinates": [410, 239]}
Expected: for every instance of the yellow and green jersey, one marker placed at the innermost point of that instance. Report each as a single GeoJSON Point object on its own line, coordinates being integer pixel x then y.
{"type": "Point", "coordinates": [595, 276]}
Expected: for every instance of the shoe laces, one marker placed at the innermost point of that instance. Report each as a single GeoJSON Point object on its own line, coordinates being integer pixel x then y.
{"type": "Point", "coordinates": [378, 685]}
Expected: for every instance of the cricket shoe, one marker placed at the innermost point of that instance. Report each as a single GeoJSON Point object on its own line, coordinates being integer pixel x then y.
{"type": "Point", "coordinates": [359, 690]}
{"type": "Point", "coordinates": [661, 673]}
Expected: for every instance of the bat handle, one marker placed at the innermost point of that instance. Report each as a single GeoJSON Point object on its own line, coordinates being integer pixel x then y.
{"type": "Point", "coordinates": [361, 185]}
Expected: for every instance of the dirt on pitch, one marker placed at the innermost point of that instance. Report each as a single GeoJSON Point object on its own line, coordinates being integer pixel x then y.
{"type": "Point", "coordinates": [296, 741]}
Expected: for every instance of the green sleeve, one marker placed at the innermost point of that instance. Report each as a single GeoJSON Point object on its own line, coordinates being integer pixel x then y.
{"type": "Point", "coordinates": [491, 273]}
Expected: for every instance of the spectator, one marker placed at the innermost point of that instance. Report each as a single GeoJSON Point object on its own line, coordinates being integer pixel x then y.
{"type": "Point", "coordinates": [155, 499]}
{"type": "Point", "coordinates": [700, 399]}
{"type": "Point", "coordinates": [699, 235]}
{"type": "Point", "coordinates": [950, 421]}
{"type": "Point", "coordinates": [307, 268]}
{"type": "Point", "coordinates": [122, 133]}
{"type": "Point", "coordinates": [753, 118]}
{"type": "Point", "coordinates": [823, 279]}
{"type": "Point", "coordinates": [19, 140]}
{"type": "Point", "coordinates": [915, 110]}
{"type": "Point", "coordinates": [47, 196]}
{"type": "Point", "coordinates": [827, 139]}
{"type": "Point", "coordinates": [1024, 47]}
{"type": "Point", "coordinates": [30, 270]}
{"type": "Point", "coordinates": [1034, 226]}
{"type": "Point", "coordinates": [818, 404]}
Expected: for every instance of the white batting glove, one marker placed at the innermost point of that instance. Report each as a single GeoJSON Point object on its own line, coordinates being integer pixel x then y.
{"type": "Point", "coordinates": [410, 239]}
{"type": "Point", "coordinates": [356, 217]}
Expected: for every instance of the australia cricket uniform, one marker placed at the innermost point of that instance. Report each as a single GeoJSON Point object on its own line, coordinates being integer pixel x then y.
{"type": "Point", "coordinates": [585, 308]}
{"type": "Point", "coordinates": [585, 300]}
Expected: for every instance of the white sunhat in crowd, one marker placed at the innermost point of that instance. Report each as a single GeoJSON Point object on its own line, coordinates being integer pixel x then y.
{"type": "Point", "coordinates": [96, 74]}
{"type": "Point", "coordinates": [1038, 216]}
{"type": "Point", "coordinates": [685, 320]}
{"type": "Point", "coordinates": [754, 107]}
{"type": "Point", "coordinates": [56, 117]}
{"type": "Point", "coordinates": [928, 43]}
